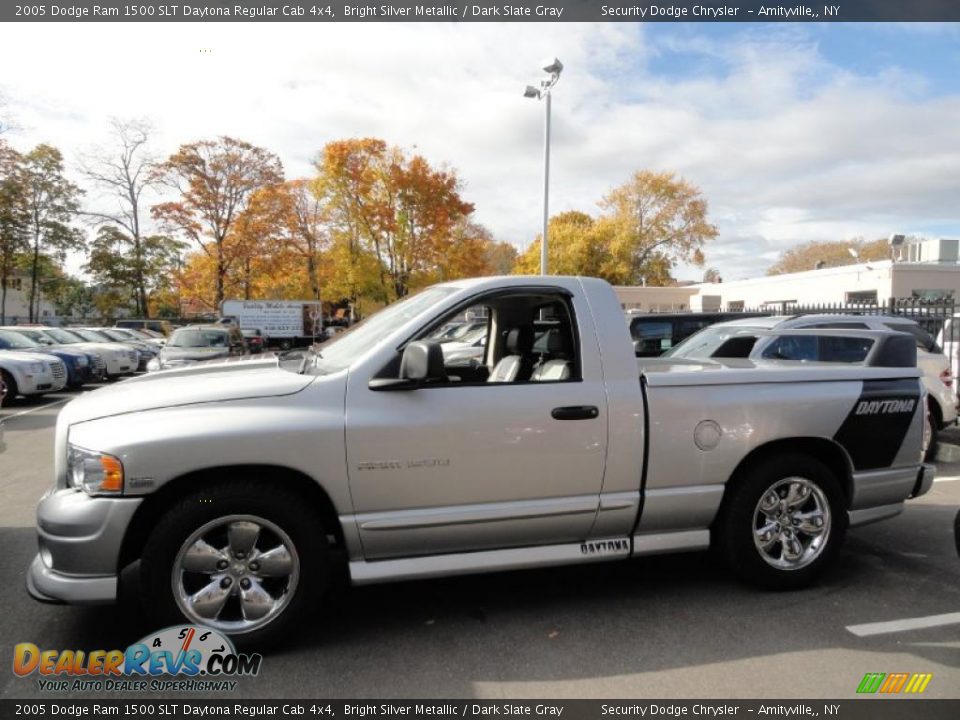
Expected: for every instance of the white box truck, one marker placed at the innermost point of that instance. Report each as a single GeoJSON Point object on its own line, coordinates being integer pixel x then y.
{"type": "Point", "coordinates": [283, 323]}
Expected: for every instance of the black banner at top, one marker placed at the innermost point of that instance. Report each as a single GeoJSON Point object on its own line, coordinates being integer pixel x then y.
{"type": "Point", "coordinates": [479, 11]}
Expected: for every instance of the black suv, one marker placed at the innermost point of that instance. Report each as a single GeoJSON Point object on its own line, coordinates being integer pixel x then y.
{"type": "Point", "coordinates": [655, 333]}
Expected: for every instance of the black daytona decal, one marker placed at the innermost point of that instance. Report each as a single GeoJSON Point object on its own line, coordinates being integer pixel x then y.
{"type": "Point", "coordinates": [878, 422]}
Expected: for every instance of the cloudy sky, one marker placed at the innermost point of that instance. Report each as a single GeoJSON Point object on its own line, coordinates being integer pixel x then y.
{"type": "Point", "coordinates": [793, 132]}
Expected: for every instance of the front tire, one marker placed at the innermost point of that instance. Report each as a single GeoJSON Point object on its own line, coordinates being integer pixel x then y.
{"type": "Point", "coordinates": [237, 557]}
{"type": "Point", "coordinates": [783, 522]}
{"type": "Point", "coordinates": [12, 389]}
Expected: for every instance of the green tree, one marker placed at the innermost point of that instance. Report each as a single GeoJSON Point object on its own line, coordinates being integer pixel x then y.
{"type": "Point", "coordinates": [52, 201]}
{"type": "Point", "coordinates": [14, 219]}
{"type": "Point", "coordinates": [112, 265]}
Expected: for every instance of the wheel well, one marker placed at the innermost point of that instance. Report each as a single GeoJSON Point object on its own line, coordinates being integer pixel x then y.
{"type": "Point", "coordinates": [936, 412]}
{"type": "Point", "coordinates": [826, 451]}
{"type": "Point", "coordinates": [156, 504]}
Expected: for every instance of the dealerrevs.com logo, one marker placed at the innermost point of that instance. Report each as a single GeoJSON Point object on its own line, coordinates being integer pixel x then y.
{"type": "Point", "coordinates": [186, 658]}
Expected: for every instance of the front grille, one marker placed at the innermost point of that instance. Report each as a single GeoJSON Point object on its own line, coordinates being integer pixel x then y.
{"type": "Point", "coordinates": [132, 355]}
{"type": "Point", "coordinates": [99, 363]}
{"type": "Point", "coordinates": [59, 370]}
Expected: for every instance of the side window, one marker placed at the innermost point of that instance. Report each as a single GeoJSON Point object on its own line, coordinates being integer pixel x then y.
{"type": "Point", "coordinates": [844, 349]}
{"type": "Point", "coordinates": [792, 347]}
{"type": "Point", "coordinates": [839, 326]}
{"type": "Point", "coordinates": [516, 336]}
{"type": "Point", "coordinates": [652, 337]}
{"type": "Point", "coordinates": [736, 347]}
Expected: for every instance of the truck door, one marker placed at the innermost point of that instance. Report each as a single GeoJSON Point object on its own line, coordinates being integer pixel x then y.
{"type": "Point", "coordinates": [516, 459]}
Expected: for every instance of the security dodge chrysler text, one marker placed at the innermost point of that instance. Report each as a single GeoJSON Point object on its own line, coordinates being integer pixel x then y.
{"type": "Point", "coordinates": [235, 490]}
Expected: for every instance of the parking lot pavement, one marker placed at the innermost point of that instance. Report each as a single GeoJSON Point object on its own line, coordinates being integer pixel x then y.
{"type": "Point", "coordinates": [669, 626]}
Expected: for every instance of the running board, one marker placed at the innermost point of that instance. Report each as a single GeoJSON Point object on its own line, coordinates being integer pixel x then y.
{"type": "Point", "coordinates": [434, 566]}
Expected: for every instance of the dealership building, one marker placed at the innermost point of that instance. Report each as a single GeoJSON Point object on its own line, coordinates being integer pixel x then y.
{"type": "Point", "coordinates": [926, 270]}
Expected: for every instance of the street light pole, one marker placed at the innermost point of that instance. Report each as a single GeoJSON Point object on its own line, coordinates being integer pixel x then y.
{"type": "Point", "coordinates": [546, 188]}
{"type": "Point", "coordinates": [554, 67]}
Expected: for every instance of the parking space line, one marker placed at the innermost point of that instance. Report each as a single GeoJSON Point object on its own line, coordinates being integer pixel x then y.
{"type": "Point", "coordinates": [34, 409]}
{"type": "Point", "coordinates": [948, 478]}
{"type": "Point", "coordinates": [892, 626]}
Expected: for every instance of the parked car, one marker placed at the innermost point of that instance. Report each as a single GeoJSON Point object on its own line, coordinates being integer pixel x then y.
{"type": "Point", "coordinates": [160, 326]}
{"type": "Point", "coordinates": [96, 335]}
{"type": "Point", "coordinates": [96, 365]}
{"type": "Point", "coordinates": [26, 373]}
{"type": "Point", "coordinates": [254, 339]}
{"type": "Point", "coordinates": [655, 333]}
{"type": "Point", "coordinates": [155, 340]}
{"type": "Point", "coordinates": [455, 332]}
{"type": "Point", "coordinates": [146, 351]}
{"type": "Point", "coordinates": [196, 343]}
{"type": "Point", "coordinates": [381, 465]}
{"type": "Point", "coordinates": [118, 360]}
{"type": "Point", "coordinates": [937, 376]}
{"type": "Point", "coordinates": [77, 362]}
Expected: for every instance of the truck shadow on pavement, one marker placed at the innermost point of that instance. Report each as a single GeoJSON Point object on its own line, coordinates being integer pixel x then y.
{"type": "Point", "coordinates": [587, 621]}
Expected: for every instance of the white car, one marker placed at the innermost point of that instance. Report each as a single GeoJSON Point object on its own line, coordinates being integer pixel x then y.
{"type": "Point", "coordinates": [937, 373]}
{"type": "Point", "coordinates": [31, 373]}
{"type": "Point", "coordinates": [119, 359]}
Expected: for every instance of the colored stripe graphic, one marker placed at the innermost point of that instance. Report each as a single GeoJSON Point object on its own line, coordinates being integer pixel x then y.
{"type": "Point", "coordinates": [918, 683]}
{"type": "Point", "coordinates": [871, 682]}
{"type": "Point", "coordinates": [893, 683]}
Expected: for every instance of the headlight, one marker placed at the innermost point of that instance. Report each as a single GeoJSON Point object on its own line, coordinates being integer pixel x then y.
{"type": "Point", "coordinates": [153, 365]}
{"type": "Point", "coordinates": [94, 473]}
{"type": "Point", "coordinates": [37, 367]}
{"type": "Point", "coordinates": [80, 361]}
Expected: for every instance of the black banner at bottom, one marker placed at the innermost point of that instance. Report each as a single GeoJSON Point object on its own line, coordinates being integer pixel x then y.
{"type": "Point", "coordinates": [848, 709]}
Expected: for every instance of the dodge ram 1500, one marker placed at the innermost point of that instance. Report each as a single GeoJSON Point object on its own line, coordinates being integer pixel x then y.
{"type": "Point", "coordinates": [235, 489]}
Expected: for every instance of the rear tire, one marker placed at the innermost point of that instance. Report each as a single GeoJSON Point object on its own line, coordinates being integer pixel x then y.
{"type": "Point", "coordinates": [783, 522]}
{"type": "Point", "coordinates": [259, 554]}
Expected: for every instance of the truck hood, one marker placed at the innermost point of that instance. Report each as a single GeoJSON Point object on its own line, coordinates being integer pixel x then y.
{"type": "Point", "coordinates": [186, 387]}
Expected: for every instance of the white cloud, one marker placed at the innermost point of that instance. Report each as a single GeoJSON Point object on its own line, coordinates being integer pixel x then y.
{"type": "Point", "coordinates": [786, 146]}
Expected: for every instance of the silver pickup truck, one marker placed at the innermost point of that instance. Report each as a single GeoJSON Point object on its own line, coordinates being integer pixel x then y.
{"type": "Point", "coordinates": [238, 488]}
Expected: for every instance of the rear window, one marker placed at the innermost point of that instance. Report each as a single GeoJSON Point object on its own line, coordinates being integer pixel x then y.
{"type": "Point", "coordinates": [189, 338]}
{"type": "Point", "coordinates": [654, 336]}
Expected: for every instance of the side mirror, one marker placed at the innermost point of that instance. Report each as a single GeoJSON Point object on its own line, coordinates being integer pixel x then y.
{"type": "Point", "coordinates": [421, 364]}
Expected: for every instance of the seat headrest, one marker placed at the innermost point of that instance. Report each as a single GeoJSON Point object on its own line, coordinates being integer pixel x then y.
{"type": "Point", "coordinates": [558, 343]}
{"type": "Point", "coordinates": [520, 340]}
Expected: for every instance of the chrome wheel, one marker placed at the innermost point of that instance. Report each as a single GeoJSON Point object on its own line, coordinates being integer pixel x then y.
{"type": "Point", "coordinates": [235, 574]}
{"type": "Point", "coordinates": [791, 523]}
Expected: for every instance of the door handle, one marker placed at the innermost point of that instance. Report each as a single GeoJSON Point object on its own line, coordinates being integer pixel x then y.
{"type": "Point", "coordinates": [575, 412]}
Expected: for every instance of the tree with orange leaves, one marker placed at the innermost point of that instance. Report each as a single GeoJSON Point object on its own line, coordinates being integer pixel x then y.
{"type": "Point", "coordinates": [400, 209]}
{"type": "Point", "coordinates": [215, 180]}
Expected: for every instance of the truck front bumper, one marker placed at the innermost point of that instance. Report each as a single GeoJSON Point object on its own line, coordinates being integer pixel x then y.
{"type": "Point", "coordinates": [80, 539]}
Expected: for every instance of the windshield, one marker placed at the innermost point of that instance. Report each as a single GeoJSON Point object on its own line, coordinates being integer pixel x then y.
{"type": "Point", "coordinates": [11, 340]}
{"type": "Point", "coordinates": [339, 352]}
{"type": "Point", "coordinates": [198, 338]}
{"type": "Point", "coordinates": [703, 344]}
{"type": "Point", "coordinates": [36, 335]}
{"type": "Point", "coordinates": [63, 336]}
{"type": "Point", "coordinates": [92, 336]}
{"type": "Point", "coordinates": [114, 335]}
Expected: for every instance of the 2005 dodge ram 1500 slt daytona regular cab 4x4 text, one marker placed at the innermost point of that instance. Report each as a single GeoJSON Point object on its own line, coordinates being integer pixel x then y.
{"type": "Point", "coordinates": [238, 488]}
